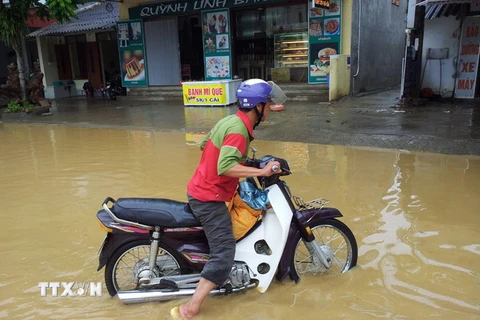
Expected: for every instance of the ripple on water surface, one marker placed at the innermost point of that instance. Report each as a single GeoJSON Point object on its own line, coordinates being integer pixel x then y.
{"type": "Point", "coordinates": [415, 217]}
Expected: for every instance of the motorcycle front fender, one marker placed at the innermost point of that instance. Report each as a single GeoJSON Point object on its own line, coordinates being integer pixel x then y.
{"type": "Point", "coordinates": [303, 217]}
{"type": "Point", "coordinates": [115, 240]}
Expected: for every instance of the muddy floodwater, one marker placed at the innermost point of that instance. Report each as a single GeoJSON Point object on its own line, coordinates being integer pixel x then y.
{"type": "Point", "coordinates": [416, 217]}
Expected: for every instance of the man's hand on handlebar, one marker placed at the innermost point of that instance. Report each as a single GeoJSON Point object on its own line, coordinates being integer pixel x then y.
{"type": "Point", "coordinates": [271, 168]}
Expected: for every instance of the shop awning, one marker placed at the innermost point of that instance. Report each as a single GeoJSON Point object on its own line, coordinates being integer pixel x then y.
{"type": "Point", "coordinates": [431, 2]}
{"type": "Point", "coordinates": [91, 16]}
{"type": "Point", "coordinates": [443, 8]}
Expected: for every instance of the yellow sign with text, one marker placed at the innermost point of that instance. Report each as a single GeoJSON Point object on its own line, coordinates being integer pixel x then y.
{"type": "Point", "coordinates": [204, 94]}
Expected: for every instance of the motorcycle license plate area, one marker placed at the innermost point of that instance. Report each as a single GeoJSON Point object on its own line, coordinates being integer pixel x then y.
{"type": "Point", "coordinates": [274, 231]}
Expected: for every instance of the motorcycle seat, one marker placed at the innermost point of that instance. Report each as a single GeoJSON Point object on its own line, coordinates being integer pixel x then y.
{"type": "Point", "coordinates": [155, 212]}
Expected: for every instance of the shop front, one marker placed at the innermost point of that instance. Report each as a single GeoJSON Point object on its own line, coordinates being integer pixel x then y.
{"type": "Point", "coordinates": [216, 40]}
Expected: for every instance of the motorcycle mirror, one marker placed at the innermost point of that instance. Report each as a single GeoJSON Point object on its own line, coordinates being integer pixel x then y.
{"type": "Point", "coordinates": [254, 151]}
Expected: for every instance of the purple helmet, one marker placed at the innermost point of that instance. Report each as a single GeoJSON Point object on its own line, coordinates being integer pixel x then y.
{"type": "Point", "coordinates": [254, 91]}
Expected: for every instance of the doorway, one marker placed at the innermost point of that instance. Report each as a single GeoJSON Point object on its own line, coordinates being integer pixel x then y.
{"type": "Point", "coordinates": [163, 57]}
{"type": "Point", "coordinates": [250, 49]}
{"type": "Point", "coordinates": [95, 73]}
{"type": "Point", "coordinates": [191, 47]}
{"type": "Point", "coordinates": [107, 42]}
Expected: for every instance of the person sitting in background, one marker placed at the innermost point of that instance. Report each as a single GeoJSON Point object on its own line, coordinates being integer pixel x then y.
{"type": "Point", "coordinates": [88, 88]}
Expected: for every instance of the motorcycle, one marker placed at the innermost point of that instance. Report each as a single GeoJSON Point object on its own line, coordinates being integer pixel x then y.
{"type": "Point", "coordinates": [114, 88]}
{"type": "Point", "coordinates": [155, 249]}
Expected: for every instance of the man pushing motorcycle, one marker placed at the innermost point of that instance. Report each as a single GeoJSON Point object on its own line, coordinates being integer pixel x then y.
{"type": "Point", "coordinates": [216, 178]}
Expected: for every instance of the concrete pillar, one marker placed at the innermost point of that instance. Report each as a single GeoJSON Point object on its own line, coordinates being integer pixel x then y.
{"type": "Point", "coordinates": [48, 65]}
{"type": "Point", "coordinates": [346, 40]}
{"type": "Point", "coordinates": [339, 77]}
{"type": "Point", "coordinates": [41, 56]}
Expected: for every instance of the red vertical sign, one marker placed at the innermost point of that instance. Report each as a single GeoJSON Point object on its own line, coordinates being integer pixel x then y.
{"type": "Point", "coordinates": [468, 60]}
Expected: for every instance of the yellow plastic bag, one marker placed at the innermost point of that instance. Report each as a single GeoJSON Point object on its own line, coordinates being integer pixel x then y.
{"type": "Point", "coordinates": [243, 217]}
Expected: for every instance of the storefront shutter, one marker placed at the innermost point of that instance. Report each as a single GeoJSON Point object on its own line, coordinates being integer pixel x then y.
{"type": "Point", "coordinates": [163, 56]}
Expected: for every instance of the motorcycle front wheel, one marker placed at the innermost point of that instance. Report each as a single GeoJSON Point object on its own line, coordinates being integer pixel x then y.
{"type": "Point", "coordinates": [124, 268]}
{"type": "Point", "coordinates": [337, 243]}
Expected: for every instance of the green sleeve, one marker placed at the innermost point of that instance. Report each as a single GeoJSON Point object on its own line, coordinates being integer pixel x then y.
{"type": "Point", "coordinates": [228, 158]}
{"type": "Point", "coordinates": [233, 148]}
{"type": "Point", "coordinates": [204, 141]}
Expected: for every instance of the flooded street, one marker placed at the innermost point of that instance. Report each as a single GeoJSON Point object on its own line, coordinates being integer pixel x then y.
{"type": "Point", "coordinates": [416, 218]}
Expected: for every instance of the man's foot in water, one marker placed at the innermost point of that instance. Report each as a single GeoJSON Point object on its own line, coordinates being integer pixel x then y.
{"type": "Point", "coordinates": [182, 312]}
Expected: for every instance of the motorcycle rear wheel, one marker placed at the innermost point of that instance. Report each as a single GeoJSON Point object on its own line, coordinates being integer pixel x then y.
{"type": "Point", "coordinates": [123, 267]}
{"type": "Point", "coordinates": [112, 92]}
{"type": "Point", "coordinates": [336, 240]}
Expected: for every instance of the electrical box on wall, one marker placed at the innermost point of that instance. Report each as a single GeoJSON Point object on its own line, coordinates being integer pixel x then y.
{"type": "Point", "coordinates": [434, 54]}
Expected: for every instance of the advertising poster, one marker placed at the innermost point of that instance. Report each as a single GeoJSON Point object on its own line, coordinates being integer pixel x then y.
{"type": "Point", "coordinates": [323, 4]}
{"type": "Point", "coordinates": [216, 44]}
{"type": "Point", "coordinates": [204, 94]}
{"type": "Point", "coordinates": [131, 49]}
{"type": "Point", "coordinates": [324, 40]}
{"type": "Point", "coordinates": [468, 60]}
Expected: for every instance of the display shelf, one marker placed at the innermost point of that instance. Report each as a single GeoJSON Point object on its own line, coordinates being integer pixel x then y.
{"type": "Point", "coordinates": [296, 56]}
{"type": "Point", "coordinates": [295, 62]}
{"type": "Point", "coordinates": [293, 42]}
{"type": "Point", "coordinates": [292, 49]}
{"type": "Point", "coordinates": [289, 46]}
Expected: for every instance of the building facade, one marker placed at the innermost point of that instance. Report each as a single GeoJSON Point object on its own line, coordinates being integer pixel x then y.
{"type": "Point", "coordinates": [284, 41]}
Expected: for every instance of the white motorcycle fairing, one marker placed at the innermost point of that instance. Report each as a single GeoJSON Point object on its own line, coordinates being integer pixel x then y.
{"type": "Point", "coordinates": [274, 231]}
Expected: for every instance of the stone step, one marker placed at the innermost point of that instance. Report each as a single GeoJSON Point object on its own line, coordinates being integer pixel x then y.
{"type": "Point", "coordinates": [289, 93]}
{"type": "Point", "coordinates": [146, 92]}
{"type": "Point", "coordinates": [179, 98]}
{"type": "Point", "coordinates": [283, 86]}
{"type": "Point", "coordinates": [155, 93]}
{"type": "Point", "coordinates": [294, 92]}
{"type": "Point", "coordinates": [161, 88]}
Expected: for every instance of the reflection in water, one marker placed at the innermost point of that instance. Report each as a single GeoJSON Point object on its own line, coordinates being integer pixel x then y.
{"type": "Point", "coordinates": [199, 121]}
{"type": "Point", "coordinates": [415, 217]}
{"type": "Point", "coordinates": [394, 221]}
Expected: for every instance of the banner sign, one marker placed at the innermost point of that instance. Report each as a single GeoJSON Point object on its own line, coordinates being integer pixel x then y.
{"type": "Point", "coordinates": [468, 60]}
{"type": "Point", "coordinates": [169, 8]}
{"type": "Point", "coordinates": [324, 40]}
{"type": "Point", "coordinates": [131, 48]}
{"type": "Point", "coordinates": [204, 94]}
{"type": "Point", "coordinates": [216, 44]}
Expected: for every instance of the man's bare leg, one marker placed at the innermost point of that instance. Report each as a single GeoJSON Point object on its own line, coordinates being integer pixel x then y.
{"type": "Point", "coordinates": [192, 307]}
